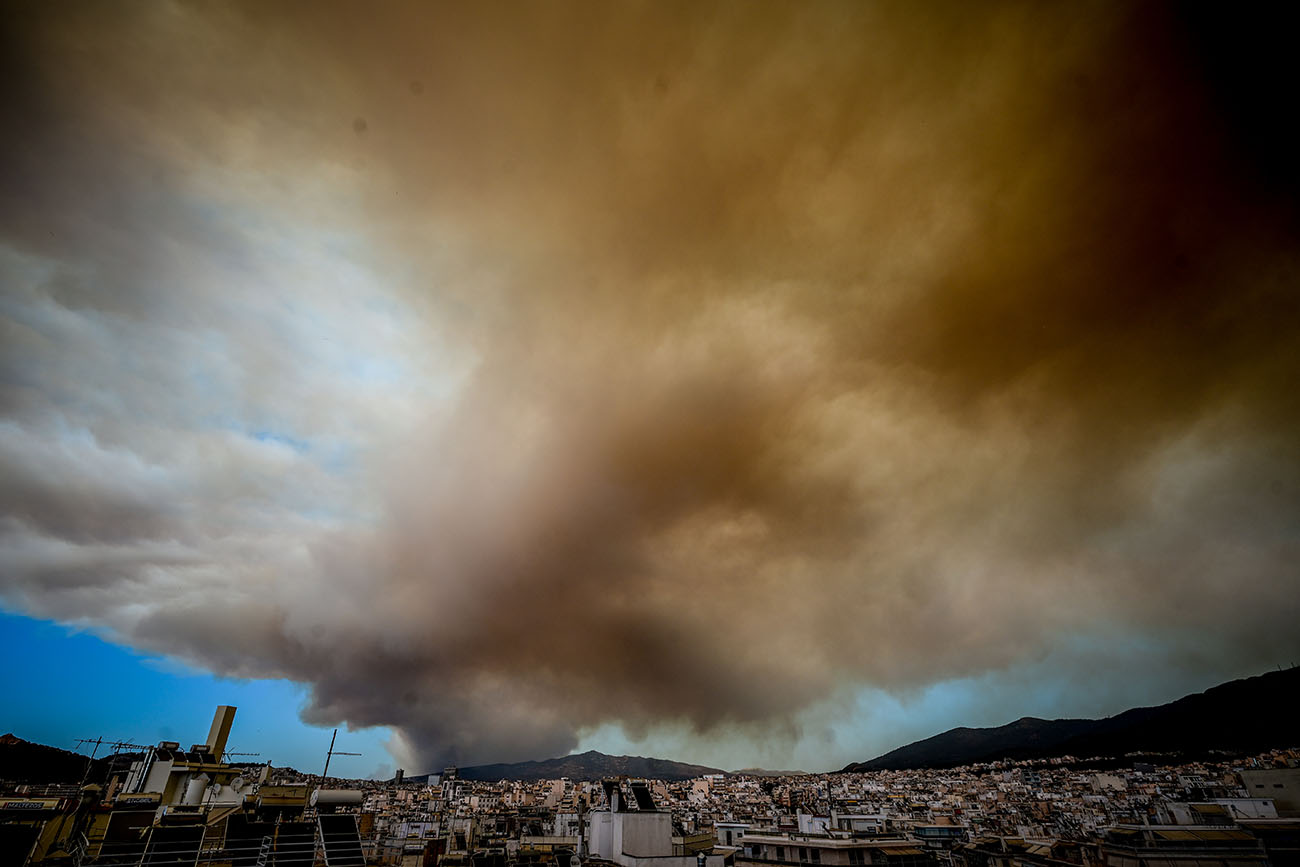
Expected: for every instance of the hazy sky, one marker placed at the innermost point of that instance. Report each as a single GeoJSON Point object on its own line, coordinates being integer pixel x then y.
{"type": "Point", "coordinates": [752, 383]}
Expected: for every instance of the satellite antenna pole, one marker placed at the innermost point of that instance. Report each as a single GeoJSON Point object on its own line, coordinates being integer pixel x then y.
{"type": "Point", "coordinates": [331, 754]}
{"type": "Point", "coordinates": [96, 741]}
{"type": "Point", "coordinates": [90, 761]}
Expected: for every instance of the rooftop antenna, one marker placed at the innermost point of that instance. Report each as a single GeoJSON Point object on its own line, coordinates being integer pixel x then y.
{"type": "Point", "coordinates": [227, 754]}
{"type": "Point", "coordinates": [98, 742]}
{"type": "Point", "coordinates": [118, 746]}
{"type": "Point", "coordinates": [331, 754]}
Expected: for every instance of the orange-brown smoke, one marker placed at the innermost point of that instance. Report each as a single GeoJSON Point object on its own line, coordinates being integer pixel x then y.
{"type": "Point", "coordinates": [796, 347]}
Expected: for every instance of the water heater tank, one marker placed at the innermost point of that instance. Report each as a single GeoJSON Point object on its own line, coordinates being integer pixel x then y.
{"type": "Point", "coordinates": [337, 797]}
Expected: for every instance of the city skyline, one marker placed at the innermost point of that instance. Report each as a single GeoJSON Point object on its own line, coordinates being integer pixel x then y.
{"type": "Point", "coordinates": [743, 384]}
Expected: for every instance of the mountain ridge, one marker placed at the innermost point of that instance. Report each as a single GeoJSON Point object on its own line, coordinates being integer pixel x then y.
{"type": "Point", "coordinates": [1196, 724]}
{"type": "Point", "coordinates": [591, 765]}
{"type": "Point", "coordinates": [24, 761]}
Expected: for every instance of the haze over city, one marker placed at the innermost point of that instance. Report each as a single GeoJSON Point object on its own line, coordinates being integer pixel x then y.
{"type": "Point", "coordinates": [752, 384]}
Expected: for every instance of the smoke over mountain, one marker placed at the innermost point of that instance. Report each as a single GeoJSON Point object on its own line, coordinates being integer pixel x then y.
{"type": "Point", "coordinates": [502, 371]}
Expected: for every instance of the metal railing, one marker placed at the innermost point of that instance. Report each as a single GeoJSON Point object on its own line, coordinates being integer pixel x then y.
{"type": "Point", "coordinates": [303, 850]}
{"type": "Point", "coordinates": [280, 851]}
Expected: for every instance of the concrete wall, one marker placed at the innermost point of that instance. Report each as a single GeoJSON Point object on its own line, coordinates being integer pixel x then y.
{"type": "Point", "coordinates": [645, 835]}
{"type": "Point", "coordinates": [1280, 784]}
{"type": "Point", "coordinates": [600, 836]}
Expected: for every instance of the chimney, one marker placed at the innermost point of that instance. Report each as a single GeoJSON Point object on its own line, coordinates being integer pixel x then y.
{"type": "Point", "coordinates": [220, 730]}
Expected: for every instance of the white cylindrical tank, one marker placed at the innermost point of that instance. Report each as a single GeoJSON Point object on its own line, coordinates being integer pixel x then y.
{"type": "Point", "coordinates": [194, 791]}
{"type": "Point", "coordinates": [337, 797]}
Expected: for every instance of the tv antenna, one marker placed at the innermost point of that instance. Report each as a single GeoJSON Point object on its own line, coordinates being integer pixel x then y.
{"type": "Point", "coordinates": [331, 754]}
{"type": "Point", "coordinates": [99, 742]}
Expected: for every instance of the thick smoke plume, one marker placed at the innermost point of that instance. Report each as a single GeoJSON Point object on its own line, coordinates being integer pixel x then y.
{"type": "Point", "coordinates": [503, 371]}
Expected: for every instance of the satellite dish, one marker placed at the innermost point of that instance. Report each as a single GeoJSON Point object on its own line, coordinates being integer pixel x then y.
{"type": "Point", "coordinates": [575, 861]}
{"type": "Point", "coordinates": [238, 783]}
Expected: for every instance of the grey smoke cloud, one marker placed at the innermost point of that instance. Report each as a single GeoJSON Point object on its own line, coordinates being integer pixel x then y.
{"type": "Point", "coordinates": [510, 371]}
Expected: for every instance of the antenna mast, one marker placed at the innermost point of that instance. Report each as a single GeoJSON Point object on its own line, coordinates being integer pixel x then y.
{"type": "Point", "coordinates": [331, 754]}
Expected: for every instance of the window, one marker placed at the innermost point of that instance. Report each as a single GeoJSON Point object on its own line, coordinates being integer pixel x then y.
{"type": "Point", "coordinates": [780, 853]}
{"type": "Point", "coordinates": [803, 854]}
{"type": "Point", "coordinates": [817, 856]}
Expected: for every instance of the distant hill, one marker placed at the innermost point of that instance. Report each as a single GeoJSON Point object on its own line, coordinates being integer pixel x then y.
{"type": "Point", "coordinates": [764, 772]}
{"type": "Point", "coordinates": [590, 765]}
{"type": "Point", "coordinates": [1240, 716]}
{"type": "Point", "coordinates": [25, 762]}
